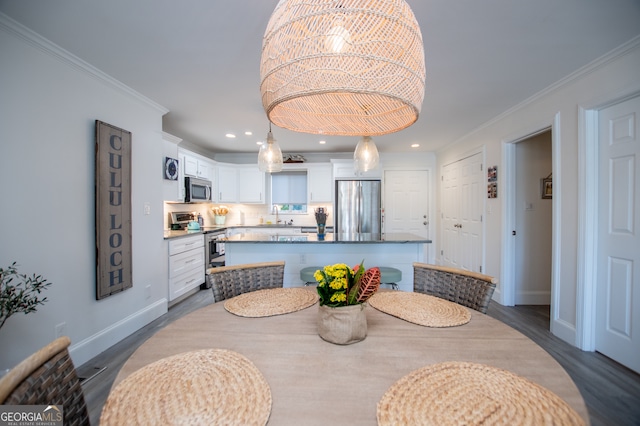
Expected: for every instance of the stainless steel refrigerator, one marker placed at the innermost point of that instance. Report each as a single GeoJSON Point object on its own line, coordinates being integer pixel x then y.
{"type": "Point", "coordinates": [357, 207]}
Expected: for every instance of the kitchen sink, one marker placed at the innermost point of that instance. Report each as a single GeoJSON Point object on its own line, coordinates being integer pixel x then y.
{"type": "Point", "coordinates": [289, 237]}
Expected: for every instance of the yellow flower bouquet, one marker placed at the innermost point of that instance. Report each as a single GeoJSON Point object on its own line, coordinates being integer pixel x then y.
{"type": "Point", "coordinates": [341, 285]}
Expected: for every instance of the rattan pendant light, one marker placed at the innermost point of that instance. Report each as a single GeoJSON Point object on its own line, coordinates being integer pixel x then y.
{"type": "Point", "coordinates": [342, 67]}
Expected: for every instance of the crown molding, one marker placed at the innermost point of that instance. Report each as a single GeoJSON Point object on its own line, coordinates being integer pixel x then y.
{"type": "Point", "coordinates": [18, 30]}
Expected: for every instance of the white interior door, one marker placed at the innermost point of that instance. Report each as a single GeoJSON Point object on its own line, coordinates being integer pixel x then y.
{"type": "Point", "coordinates": [406, 202]}
{"type": "Point", "coordinates": [450, 214]}
{"type": "Point", "coordinates": [618, 289]}
{"type": "Point", "coordinates": [462, 206]}
{"type": "Point", "coordinates": [471, 201]}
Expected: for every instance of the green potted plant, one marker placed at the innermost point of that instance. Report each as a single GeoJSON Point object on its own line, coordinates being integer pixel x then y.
{"type": "Point", "coordinates": [19, 292]}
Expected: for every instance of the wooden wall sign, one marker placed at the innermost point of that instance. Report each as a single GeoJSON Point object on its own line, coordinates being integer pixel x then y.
{"type": "Point", "coordinates": [113, 210]}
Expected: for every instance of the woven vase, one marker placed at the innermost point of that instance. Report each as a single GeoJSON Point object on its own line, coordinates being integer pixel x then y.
{"type": "Point", "coordinates": [343, 325]}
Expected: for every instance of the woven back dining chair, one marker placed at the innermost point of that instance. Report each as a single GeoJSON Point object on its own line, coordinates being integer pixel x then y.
{"type": "Point", "coordinates": [231, 281]}
{"type": "Point", "coordinates": [466, 288]}
{"type": "Point", "coordinates": [48, 377]}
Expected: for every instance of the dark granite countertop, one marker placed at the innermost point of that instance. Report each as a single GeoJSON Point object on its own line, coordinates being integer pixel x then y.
{"type": "Point", "coordinates": [330, 238]}
{"type": "Point", "coordinates": [169, 234]}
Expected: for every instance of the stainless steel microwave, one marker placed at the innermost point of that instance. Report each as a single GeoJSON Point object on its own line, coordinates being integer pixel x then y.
{"type": "Point", "coordinates": [197, 190]}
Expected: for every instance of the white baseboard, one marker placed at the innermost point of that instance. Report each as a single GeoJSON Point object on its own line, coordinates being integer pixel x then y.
{"type": "Point", "coordinates": [533, 298]}
{"type": "Point", "coordinates": [96, 344]}
{"type": "Point", "coordinates": [564, 331]}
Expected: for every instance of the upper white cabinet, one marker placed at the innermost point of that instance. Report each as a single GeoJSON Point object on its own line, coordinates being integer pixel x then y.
{"type": "Point", "coordinates": [227, 183]}
{"type": "Point", "coordinates": [251, 187]}
{"type": "Point", "coordinates": [240, 183]}
{"type": "Point", "coordinates": [319, 182]}
{"type": "Point", "coordinates": [343, 169]}
{"type": "Point", "coordinates": [197, 166]}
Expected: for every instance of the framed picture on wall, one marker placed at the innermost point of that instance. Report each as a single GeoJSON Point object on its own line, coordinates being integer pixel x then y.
{"type": "Point", "coordinates": [170, 168]}
{"type": "Point", "coordinates": [546, 187]}
{"type": "Point", "coordinates": [492, 174]}
{"type": "Point", "coordinates": [492, 190]}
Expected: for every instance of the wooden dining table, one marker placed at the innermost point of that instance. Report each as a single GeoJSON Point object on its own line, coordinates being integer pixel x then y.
{"type": "Point", "coordinates": [314, 382]}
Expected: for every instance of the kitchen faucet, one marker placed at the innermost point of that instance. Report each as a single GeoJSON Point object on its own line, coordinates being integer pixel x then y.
{"type": "Point", "coordinates": [275, 208]}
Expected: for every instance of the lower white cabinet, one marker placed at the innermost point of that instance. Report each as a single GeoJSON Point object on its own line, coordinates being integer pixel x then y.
{"type": "Point", "coordinates": [186, 264]}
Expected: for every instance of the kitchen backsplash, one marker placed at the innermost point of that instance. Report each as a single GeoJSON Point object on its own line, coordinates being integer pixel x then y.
{"type": "Point", "coordinates": [246, 214]}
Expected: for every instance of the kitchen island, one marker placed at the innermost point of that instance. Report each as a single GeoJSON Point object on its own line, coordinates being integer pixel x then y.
{"type": "Point", "coordinates": [396, 250]}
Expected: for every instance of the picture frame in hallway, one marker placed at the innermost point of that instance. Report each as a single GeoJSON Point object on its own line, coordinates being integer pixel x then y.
{"type": "Point", "coordinates": [492, 190]}
{"type": "Point", "coordinates": [546, 187]}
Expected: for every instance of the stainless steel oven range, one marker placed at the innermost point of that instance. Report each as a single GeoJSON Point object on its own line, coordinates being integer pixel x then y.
{"type": "Point", "coordinates": [215, 248]}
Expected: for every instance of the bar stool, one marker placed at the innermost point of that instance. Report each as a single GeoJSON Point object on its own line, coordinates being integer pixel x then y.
{"type": "Point", "coordinates": [306, 274]}
{"type": "Point", "coordinates": [390, 276]}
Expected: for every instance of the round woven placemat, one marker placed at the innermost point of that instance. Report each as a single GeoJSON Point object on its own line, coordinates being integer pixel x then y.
{"type": "Point", "coordinates": [272, 301]}
{"type": "Point", "coordinates": [212, 387]}
{"type": "Point", "coordinates": [463, 393]}
{"type": "Point", "coordinates": [420, 309]}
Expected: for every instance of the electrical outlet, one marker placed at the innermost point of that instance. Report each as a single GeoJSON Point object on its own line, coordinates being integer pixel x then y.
{"type": "Point", "coordinates": [147, 208]}
{"type": "Point", "coordinates": [61, 329]}
{"type": "Point", "coordinates": [303, 259]}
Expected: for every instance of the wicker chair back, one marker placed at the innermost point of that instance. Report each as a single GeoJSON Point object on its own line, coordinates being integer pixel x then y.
{"type": "Point", "coordinates": [466, 288]}
{"type": "Point", "coordinates": [231, 281]}
{"type": "Point", "coordinates": [48, 377]}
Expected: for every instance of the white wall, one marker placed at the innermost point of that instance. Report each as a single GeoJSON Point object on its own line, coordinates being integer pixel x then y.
{"type": "Point", "coordinates": [49, 103]}
{"type": "Point", "coordinates": [612, 76]}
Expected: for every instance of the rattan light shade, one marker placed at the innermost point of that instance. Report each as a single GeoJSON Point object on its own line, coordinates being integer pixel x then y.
{"type": "Point", "coordinates": [342, 67]}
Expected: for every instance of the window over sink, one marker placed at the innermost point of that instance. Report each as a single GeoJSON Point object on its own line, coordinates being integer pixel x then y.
{"type": "Point", "coordinates": [289, 191]}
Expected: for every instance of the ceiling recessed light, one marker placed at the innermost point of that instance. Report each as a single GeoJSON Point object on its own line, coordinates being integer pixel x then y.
{"type": "Point", "coordinates": [322, 142]}
{"type": "Point", "coordinates": [259, 143]}
{"type": "Point", "coordinates": [248, 133]}
{"type": "Point", "coordinates": [230, 135]}
{"type": "Point", "coordinates": [415, 145]}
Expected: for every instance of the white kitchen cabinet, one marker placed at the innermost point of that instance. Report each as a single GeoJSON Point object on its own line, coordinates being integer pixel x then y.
{"type": "Point", "coordinates": [343, 169]}
{"type": "Point", "coordinates": [319, 183]}
{"type": "Point", "coordinates": [186, 264]}
{"type": "Point", "coordinates": [196, 166]}
{"type": "Point", "coordinates": [240, 183]}
{"type": "Point", "coordinates": [251, 187]}
{"type": "Point", "coordinates": [227, 184]}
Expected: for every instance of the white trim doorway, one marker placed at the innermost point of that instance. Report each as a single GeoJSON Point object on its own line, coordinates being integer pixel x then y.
{"type": "Point", "coordinates": [588, 149]}
{"type": "Point", "coordinates": [507, 294]}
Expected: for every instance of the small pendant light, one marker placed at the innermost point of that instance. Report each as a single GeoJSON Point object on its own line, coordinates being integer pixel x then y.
{"type": "Point", "coordinates": [270, 155]}
{"type": "Point", "coordinates": [365, 157]}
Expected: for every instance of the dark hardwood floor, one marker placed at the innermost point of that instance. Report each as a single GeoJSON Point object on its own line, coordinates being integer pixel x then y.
{"type": "Point", "coordinates": [611, 391]}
